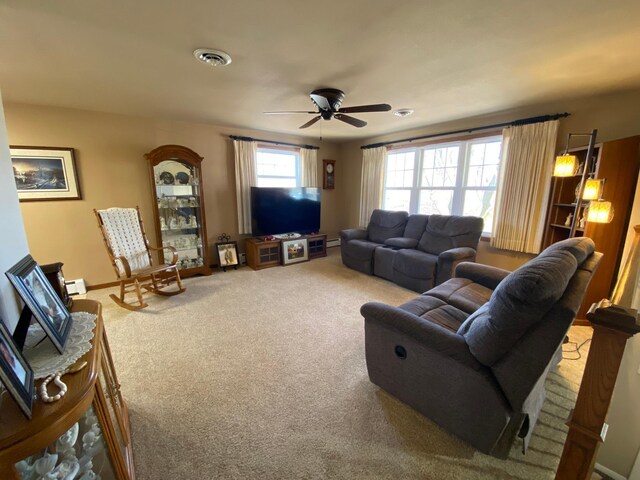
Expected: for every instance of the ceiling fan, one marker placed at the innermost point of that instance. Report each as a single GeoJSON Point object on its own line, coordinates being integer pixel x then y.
{"type": "Point", "coordinates": [328, 101]}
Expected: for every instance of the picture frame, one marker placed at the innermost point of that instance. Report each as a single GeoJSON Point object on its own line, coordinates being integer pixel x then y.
{"type": "Point", "coordinates": [295, 251]}
{"type": "Point", "coordinates": [45, 173]}
{"type": "Point", "coordinates": [15, 372]}
{"type": "Point", "coordinates": [38, 295]}
{"type": "Point", "coordinates": [227, 255]}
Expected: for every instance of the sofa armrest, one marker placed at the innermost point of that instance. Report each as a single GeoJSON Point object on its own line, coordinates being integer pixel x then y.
{"type": "Point", "coordinates": [431, 336]}
{"type": "Point", "coordinates": [484, 275]}
{"type": "Point", "coordinates": [401, 242]}
{"type": "Point", "coordinates": [353, 234]}
{"type": "Point", "coordinates": [449, 259]}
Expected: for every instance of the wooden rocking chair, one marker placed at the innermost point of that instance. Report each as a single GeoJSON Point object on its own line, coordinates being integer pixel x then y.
{"type": "Point", "coordinates": [130, 255]}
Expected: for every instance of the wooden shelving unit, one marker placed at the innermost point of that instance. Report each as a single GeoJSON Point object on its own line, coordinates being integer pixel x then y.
{"type": "Point", "coordinates": [618, 161]}
{"type": "Point", "coordinates": [267, 253]}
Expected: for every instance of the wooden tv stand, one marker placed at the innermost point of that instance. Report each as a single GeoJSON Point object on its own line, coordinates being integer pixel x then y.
{"type": "Point", "coordinates": [268, 253]}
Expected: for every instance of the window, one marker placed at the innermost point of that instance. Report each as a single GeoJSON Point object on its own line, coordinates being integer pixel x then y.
{"type": "Point", "coordinates": [456, 178]}
{"type": "Point", "coordinates": [278, 168]}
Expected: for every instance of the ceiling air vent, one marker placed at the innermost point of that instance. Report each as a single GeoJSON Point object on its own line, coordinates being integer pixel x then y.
{"type": "Point", "coordinates": [215, 58]}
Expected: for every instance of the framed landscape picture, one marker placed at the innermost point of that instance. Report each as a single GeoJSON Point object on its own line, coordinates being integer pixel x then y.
{"type": "Point", "coordinates": [37, 293]}
{"type": "Point", "coordinates": [45, 173]}
{"type": "Point", "coordinates": [294, 251]}
{"type": "Point", "coordinates": [15, 373]}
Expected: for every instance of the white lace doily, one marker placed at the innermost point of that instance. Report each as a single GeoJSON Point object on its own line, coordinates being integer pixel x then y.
{"type": "Point", "coordinates": [45, 359]}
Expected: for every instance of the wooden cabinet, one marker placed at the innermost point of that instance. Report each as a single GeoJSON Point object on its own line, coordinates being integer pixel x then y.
{"type": "Point", "coordinates": [89, 425]}
{"type": "Point", "coordinates": [262, 253]}
{"type": "Point", "coordinates": [176, 180]}
{"type": "Point", "coordinates": [268, 253]}
{"type": "Point", "coordinates": [317, 245]}
{"type": "Point", "coordinates": [618, 162]}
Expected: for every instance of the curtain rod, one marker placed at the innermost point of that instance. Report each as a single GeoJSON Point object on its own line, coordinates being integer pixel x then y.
{"type": "Point", "coordinates": [522, 121]}
{"type": "Point", "coordinates": [249, 139]}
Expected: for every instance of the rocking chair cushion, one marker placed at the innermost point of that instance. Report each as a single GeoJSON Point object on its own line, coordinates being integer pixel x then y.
{"type": "Point", "coordinates": [122, 228]}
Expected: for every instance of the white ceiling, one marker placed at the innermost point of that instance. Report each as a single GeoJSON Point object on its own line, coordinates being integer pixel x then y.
{"type": "Point", "coordinates": [447, 59]}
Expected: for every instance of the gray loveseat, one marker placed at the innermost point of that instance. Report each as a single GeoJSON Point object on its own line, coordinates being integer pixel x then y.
{"type": "Point", "coordinates": [473, 353]}
{"type": "Point", "coordinates": [414, 251]}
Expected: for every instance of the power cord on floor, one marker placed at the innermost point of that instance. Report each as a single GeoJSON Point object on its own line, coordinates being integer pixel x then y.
{"type": "Point", "coordinates": [575, 349]}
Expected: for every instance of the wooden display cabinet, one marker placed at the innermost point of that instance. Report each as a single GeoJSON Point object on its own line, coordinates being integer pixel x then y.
{"type": "Point", "coordinates": [93, 403]}
{"type": "Point", "coordinates": [618, 162]}
{"type": "Point", "coordinates": [262, 253]}
{"type": "Point", "coordinates": [176, 179]}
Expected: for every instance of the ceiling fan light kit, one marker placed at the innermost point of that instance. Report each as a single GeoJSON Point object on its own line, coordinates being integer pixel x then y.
{"type": "Point", "coordinates": [213, 58]}
{"type": "Point", "coordinates": [403, 112]}
{"type": "Point", "coordinates": [329, 104]}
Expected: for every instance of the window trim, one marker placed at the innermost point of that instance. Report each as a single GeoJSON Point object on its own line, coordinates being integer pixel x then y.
{"type": "Point", "coordinates": [463, 166]}
{"type": "Point", "coordinates": [280, 150]}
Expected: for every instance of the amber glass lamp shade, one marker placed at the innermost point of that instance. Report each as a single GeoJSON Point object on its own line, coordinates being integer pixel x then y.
{"type": "Point", "coordinates": [566, 166]}
{"type": "Point", "coordinates": [600, 212]}
{"type": "Point", "coordinates": [592, 189]}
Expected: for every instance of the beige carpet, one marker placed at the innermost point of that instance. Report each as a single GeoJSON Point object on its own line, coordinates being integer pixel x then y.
{"type": "Point", "coordinates": [261, 375]}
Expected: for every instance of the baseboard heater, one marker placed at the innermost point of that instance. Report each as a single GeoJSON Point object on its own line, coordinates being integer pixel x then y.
{"type": "Point", "coordinates": [76, 287]}
{"type": "Point", "coordinates": [334, 242]}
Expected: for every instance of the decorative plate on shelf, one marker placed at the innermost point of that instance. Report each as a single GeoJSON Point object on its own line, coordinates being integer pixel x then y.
{"type": "Point", "coordinates": [182, 178]}
{"type": "Point", "coordinates": [166, 178]}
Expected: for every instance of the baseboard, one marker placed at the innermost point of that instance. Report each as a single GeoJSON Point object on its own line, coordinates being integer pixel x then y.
{"type": "Point", "coordinates": [608, 472]}
{"type": "Point", "coordinates": [334, 242]}
{"type": "Point", "coordinates": [100, 286]}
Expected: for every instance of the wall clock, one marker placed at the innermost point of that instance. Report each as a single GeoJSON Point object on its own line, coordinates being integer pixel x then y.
{"type": "Point", "coordinates": [328, 171]}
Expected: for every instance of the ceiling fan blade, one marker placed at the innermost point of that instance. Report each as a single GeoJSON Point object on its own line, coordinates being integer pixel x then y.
{"type": "Point", "coordinates": [311, 122]}
{"type": "Point", "coordinates": [287, 112]}
{"type": "Point", "coordinates": [320, 101]}
{"type": "Point", "coordinates": [350, 120]}
{"type": "Point", "coordinates": [378, 107]}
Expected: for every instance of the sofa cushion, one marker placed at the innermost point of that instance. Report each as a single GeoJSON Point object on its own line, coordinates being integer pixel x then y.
{"type": "Point", "coordinates": [519, 302]}
{"type": "Point", "coordinates": [416, 225]}
{"type": "Point", "coordinates": [360, 249]}
{"type": "Point", "coordinates": [444, 232]}
{"type": "Point", "coordinates": [462, 293]}
{"type": "Point", "coordinates": [436, 311]}
{"type": "Point", "coordinates": [401, 242]}
{"type": "Point", "coordinates": [386, 224]}
{"type": "Point", "coordinates": [415, 264]}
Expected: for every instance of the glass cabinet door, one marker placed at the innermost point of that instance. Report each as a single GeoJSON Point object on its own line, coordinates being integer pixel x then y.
{"type": "Point", "coordinates": [179, 212]}
{"type": "Point", "coordinates": [80, 453]}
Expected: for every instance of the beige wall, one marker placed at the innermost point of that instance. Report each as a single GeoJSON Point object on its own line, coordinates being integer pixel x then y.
{"type": "Point", "coordinates": [13, 241]}
{"type": "Point", "coordinates": [113, 172]}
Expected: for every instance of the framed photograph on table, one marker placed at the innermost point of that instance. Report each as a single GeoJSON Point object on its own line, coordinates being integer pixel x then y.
{"type": "Point", "coordinates": [38, 295]}
{"type": "Point", "coordinates": [45, 173]}
{"type": "Point", "coordinates": [294, 251]}
{"type": "Point", "coordinates": [15, 373]}
{"type": "Point", "coordinates": [227, 255]}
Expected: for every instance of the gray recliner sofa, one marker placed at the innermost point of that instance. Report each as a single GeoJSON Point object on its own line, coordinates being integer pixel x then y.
{"type": "Point", "coordinates": [473, 353]}
{"type": "Point", "coordinates": [414, 251]}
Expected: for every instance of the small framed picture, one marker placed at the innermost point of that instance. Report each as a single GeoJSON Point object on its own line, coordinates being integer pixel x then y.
{"type": "Point", "coordinates": [15, 372]}
{"type": "Point", "coordinates": [45, 173]}
{"type": "Point", "coordinates": [294, 251]}
{"type": "Point", "coordinates": [38, 295]}
{"type": "Point", "coordinates": [227, 255]}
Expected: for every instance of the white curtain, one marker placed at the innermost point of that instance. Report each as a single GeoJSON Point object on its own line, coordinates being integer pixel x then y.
{"type": "Point", "coordinates": [308, 167]}
{"type": "Point", "coordinates": [245, 153]}
{"type": "Point", "coordinates": [528, 153]}
{"type": "Point", "coordinates": [372, 182]}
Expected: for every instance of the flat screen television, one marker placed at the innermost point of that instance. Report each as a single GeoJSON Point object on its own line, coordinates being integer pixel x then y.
{"type": "Point", "coordinates": [284, 210]}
